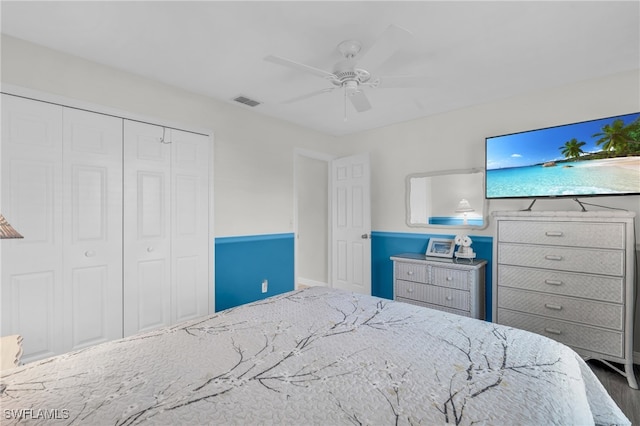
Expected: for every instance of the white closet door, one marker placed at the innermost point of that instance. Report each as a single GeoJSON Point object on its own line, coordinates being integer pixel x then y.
{"type": "Point", "coordinates": [147, 228]}
{"type": "Point", "coordinates": [32, 290]}
{"type": "Point", "coordinates": [190, 225]}
{"type": "Point", "coordinates": [92, 147]}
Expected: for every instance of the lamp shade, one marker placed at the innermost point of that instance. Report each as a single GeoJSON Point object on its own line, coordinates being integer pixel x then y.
{"type": "Point", "coordinates": [6, 230]}
{"type": "Point", "coordinates": [464, 206]}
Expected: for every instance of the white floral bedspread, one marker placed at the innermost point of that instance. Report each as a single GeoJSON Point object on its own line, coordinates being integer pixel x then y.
{"type": "Point", "coordinates": [316, 356]}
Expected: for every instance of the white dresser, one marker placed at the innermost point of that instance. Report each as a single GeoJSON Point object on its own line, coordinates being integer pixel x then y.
{"type": "Point", "coordinates": [568, 276]}
{"type": "Point", "coordinates": [455, 286]}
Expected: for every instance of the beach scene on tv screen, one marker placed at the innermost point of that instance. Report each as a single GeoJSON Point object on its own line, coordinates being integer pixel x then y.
{"type": "Point", "coordinates": [596, 157]}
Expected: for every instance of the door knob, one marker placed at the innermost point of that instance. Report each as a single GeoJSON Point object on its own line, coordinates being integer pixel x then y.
{"type": "Point", "coordinates": [149, 249]}
{"type": "Point", "coordinates": [89, 253]}
{"type": "Point", "coordinates": [365, 236]}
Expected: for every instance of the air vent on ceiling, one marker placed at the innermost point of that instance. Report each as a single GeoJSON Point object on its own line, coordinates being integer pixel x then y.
{"type": "Point", "coordinates": [246, 101]}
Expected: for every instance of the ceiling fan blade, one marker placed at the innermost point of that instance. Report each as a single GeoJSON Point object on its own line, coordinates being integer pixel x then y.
{"type": "Point", "coordinates": [309, 95]}
{"type": "Point", "coordinates": [402, 81]}
{"type": "Point", "coordinates": [360, 101]}
{"type": "Point", "coordinates": [392, 39]}
{"type": "Point", "coordinates": [300, 67]}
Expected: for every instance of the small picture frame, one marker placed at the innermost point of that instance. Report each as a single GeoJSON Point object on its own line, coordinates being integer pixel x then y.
{"type": "Point", "coordinates": [441, 247]}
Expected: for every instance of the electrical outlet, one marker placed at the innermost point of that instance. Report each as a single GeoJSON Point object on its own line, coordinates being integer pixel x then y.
{"type": "Point", "coordinates": [265, 285]}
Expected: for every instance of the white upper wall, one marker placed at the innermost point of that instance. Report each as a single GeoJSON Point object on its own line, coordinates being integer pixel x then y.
{"type": "Point", "coordinates": [253, 169]}
{"type": "Point", "coordinates": [254, 154]}
{"type": "Point", "coordinates": [455, 140]}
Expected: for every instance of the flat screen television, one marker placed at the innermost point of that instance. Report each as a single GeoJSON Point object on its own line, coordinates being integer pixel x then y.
{"type": "Point", "coordinates": [591, 158]}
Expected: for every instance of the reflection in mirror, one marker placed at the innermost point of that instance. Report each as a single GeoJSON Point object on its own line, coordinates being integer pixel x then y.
{"type": "Point", "coordinates": [447, 198]}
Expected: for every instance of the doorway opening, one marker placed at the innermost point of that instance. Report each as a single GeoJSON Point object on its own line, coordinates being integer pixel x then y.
{"type": "Point", "coordinates": [311, 219]}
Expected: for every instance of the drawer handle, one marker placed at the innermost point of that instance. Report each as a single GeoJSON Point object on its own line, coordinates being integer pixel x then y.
{"type": "Point", "coordinates": [449, 298]}
{"type": "Point", "coordinates": [409, 290]}
{"type": "Point", "coordinates": [553, 331]}
{"type": "Point", "coordinates": [554, 307]}
{"type": "Point", "coordinates": [553, 282]}
{"type": "Point", "coordinates": [409, 272]}
{"type": "Point", "coordinates": [553, 233]}
{"type": "Point", "coordinates": [449, 278]}
{"type": "Point", "coordinates": [553, 257]}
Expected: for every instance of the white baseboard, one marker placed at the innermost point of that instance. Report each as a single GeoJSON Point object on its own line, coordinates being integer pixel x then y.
{"type": "Point", "coordinates": [311, 283]}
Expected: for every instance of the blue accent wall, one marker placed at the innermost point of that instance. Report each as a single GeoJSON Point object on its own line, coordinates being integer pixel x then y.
{"type": "Point", "coordinates": [386, 244]}
{"type": "Point", "coordinates": [242, 263]}
{"type": "Point", "coordinates": [454, 220]}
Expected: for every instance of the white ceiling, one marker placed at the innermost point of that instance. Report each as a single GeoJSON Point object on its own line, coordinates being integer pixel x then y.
{"type": "Point", "coordinates": [468, 52]}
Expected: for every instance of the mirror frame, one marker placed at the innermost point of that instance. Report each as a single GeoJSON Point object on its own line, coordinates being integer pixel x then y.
{"type": "Point", "coordinates": [485, 204]}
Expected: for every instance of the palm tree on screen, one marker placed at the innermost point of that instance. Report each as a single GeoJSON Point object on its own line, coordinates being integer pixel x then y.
{"type": "Point", "coordinates": [634, 136]}
{"type": "Point", "coordinates": [572, 148]}
{"type": "Point", "coordinates": [614, 137]}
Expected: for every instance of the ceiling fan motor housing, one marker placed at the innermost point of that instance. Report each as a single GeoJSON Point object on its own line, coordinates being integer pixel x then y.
{"type": "Point", "coordinates": [354, 75]}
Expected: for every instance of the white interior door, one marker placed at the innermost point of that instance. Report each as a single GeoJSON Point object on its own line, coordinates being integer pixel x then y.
{"type": "Point", "coordinates": [351, 223]}
{"type": "Point", "coordinates": [32, 286]}
{"type": "Point", "coordinates": [190, 225]}
{"type": "Point", "coordinates": [147, 228]}
{"type": "Point", "coordinates": [92, 198]}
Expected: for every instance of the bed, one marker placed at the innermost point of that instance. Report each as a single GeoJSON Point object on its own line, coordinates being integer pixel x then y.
{"type": "Point", "coordinates": [314, 356]}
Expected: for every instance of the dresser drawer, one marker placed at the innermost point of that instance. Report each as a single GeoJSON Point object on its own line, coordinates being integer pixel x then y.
{"type": "Point", "coordinates": [578, 336]}
{"type": "Point", "coordinates": [412, 272]}
{"type": "Point", "coordinates": [609, 315]}
{"type": "Point", "coordinates": [441, 296]}
{"type": "Point", "coordinates": [596, 287]}
{"type": "Point", "coordinates": [571, 234]}
{"type": "Point", "coordinates": [450, 278]}
{"type": "Point", "coordinates": [604, 262]}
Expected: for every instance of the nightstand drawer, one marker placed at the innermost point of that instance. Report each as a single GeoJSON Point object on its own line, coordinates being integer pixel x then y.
{"type": "Point", "coordinates": [412, 272]}
{"type": "Point", "coordinates": [441, 296]}
{"type": "Point", "coordinates": [604, 262]}
{"type": "Point", "coordinates": [596, 287]}
{"type": "Point", "coordinates": [578, 336]}
{"type": "Point", "coordinates": [452, 278]}
{"type": "Point", "coordinates": [432, 306]}
{"type": "Point", "coordinates": [600, 314]}
{"type": "Point", "coordinates": [571, 234]}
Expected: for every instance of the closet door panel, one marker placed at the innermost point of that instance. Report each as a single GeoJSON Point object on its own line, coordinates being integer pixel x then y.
{"type": "Point", "coordinates": [147, 236]}
{"type": "Point", "coordinates": [33, 315]}
{"type": "Point", "coordinates": [152, 195]}
{"type": "Point", "coordinates": [190, 229]}
{"type": "Point", "coordinates": [187, 288]}
{"type": "Point", "coordinates": [31, 204]}
{"type": "Point", "coordinates": [92, 147]}
{"type": "Point", "coordinates": [32, 291]}
{"type": "Point", "coordinates": [153, 305]}
{"type": "Point", "coordinates": [89, 293]}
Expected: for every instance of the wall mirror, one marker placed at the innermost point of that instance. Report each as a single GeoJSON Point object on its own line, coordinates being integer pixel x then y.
{"type": "Point", "coordinates": [450, 198]}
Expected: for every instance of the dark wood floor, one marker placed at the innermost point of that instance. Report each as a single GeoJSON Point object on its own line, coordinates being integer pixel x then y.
{"type": "Point", "coordinates": [628, 399]}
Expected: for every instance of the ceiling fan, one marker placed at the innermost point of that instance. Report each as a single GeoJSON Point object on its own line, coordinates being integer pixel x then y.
{"type": "Point", "coordinates": [355, 72]}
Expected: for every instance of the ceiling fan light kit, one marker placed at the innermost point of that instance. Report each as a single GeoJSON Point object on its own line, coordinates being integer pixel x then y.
{"type": "Point", "coordinates": [349, 48]}
{"type": "Point", "coordinates": [348, 76]}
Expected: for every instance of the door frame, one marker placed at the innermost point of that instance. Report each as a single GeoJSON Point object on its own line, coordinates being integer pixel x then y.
{"type": "Point", "coordinates": [327, 158]}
